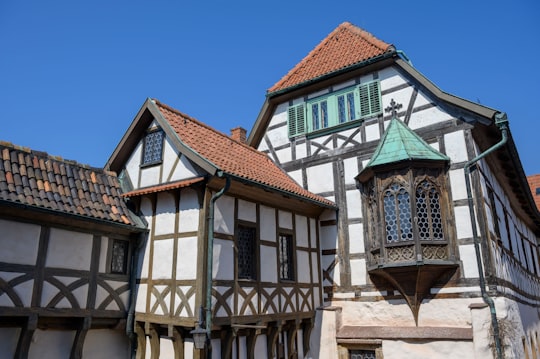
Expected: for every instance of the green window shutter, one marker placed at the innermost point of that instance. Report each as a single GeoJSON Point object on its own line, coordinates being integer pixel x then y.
{"type": "Point", "coordinates": [297, 123]}
{"type": "Point", "coordinates": [370, 99]}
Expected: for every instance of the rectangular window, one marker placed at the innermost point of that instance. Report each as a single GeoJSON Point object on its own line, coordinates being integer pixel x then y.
{"type": "Point", "coordinates": [119, 255]}
{"type": "Point", "coordinates": [334, 109]}
{"type": "Point", "coordinates": [153, 147]}
{"type": "Point", "coordinates": [362, 354]}
{"type": "Point", "coordinates": [246, 245]}
{"type": "Point", "coordinates": [286, 268]}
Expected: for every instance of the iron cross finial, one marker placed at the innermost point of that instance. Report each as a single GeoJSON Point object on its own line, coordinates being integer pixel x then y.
{"type": "Point", "coordinates": [393, 108]}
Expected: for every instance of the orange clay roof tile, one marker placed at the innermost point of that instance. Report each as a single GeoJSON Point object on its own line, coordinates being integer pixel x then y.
{"type": "Point", "coordinates": [37, 179]}
{"type": "Point", "coordinates": [347, 45]}
{"type": "Point", "coordinates": [232, 157]}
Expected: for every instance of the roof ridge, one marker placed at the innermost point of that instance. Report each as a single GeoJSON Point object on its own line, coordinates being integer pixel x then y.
{"type": "Point", "coordinates": [198, 122]}
{"type": "Point", "coordinates": [368, 36]}
{"type": "Point", "coordinates": [42, 154]}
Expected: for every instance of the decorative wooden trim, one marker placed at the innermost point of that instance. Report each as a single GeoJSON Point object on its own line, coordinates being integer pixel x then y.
{"type": "Point", "coordinates": [307, 327]}
{"type": "Point", "coordinates": [40, 265]}
{"type": "Point", "coordinates": [141, 340]}
{"type": "Point", "coordinates": [227, 340]}
{"type": "Point", "coordinates": [94, 268]}
{"type": "Point", "coordinates": [153, 334]}
{"type": "Point", "coordinates": [272, 338]}
{"type": "Point", "coordinates": [292, 331]}
{"type": "Point", "coordinates": [78, 341]}
{"type": "Point", "coordinates": [178, 342]}
{"type": "Point", "coordinates": [25, 337]}
{"type": "Point", "coordinates": [251, 340]}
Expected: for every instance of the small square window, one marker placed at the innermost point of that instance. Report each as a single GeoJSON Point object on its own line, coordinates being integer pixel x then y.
{"type": "Point", "coordinates": [362, 354]}
{"type": "Point", "coordinates": [153, 147]}
{"type": "Point", "coordinates": [119, 254]}
{"type": "Point", "coordinates": [537, 190]}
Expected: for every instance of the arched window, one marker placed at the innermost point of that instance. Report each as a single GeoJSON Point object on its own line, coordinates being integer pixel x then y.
{"type": "Point", "coordinates": [397, 214]}
{"type": "Point", "coordinates": [428, 212]}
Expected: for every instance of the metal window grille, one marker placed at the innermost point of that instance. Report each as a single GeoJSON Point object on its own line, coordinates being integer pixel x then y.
{"type": "Point", "coordinates": [246, 252]}
{"type": "Point", "coordinates": [362, 354]}
{"type": "Point", "coordinates": [119, 257]}
{"type": "Point", "coordinates": [397, 214]}
{"type": "Point", "coordinates": [153, 147]}
{"type": "Point", "coordinates": [428, 212]}
{"type": "Point", "coordinates": [285, 257]}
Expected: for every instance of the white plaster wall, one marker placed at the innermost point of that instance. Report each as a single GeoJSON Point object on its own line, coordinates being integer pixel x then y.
{"type": "Point", "coordinates": [285, 220]}
{"type": "Point", "coordinates": [423, 349]}
{"type": "Point", "coordinates": [150, 176]}
{"type": "Point", "coordinates": [267, 223]}
{"type": "Point", "coordinates": [188, 349]}
{"type": "Point", "coordinates": [284, 155]}
{"type": "Point", "coordinates": [467, 255]}
{"type": "Point", "coordinates": [358, 272]}
{"type": "Point", "coordinates": [354, 204]}
{"type": "Point", "coordinates": [356, 238]}
{"type": "Point", "coordinates": [105, 343]}
{"type": "Point", "coordinates": [140, 303]}
{"type": "Point", "coordinates": [216, 348]}
{"type": "Point", "coordinates": [184, 169]}
{"type": "Point", "coordinates": [302, 261]}
{"type": "Point", "coordinates": [23, 290]}
{"type": "Point", "coordinates": [224, 215]}
{"type": "Point", "coordinates": [389, 78]}
{"type": "Point", "coordinates": [344, 85]}
{"type": "Point", "coordinates": [455, 146]}
{"type": "Point", "coordinates": [261, 349]}
{"type": "Point", "coordinates": [170, 156]}
{"type": "Point", "coordinates": [320, 178]}
{"type": "Point", "coordinates": [328, 237]}
{"type": "Point", "coordinates": [8, 342]}
{"type": "Point", "coordinates": [301, 152]}
{"type": "Point", "coordinates": [280, 113]}
{"type": "Point", "coordinates": [463, 222]}
{"type": "Point", "coordinates": [315, 267]}
{"type": "Point", "coordinates": [186, 259]}
{"type": "Point", "coordinates": [247, 211]}
{"type": "Point", "coordinates": [163, 257]}
{"type": "Point", "coordinates": [313, 232]}
{"type": "Point", "coordinates": [323, 336]}
{"type": "Point", "coordinates": [372, 132]}
{"type": "Point", "coordinates": [301, 223]}
{"type": "Point", "coordinates": [103, 255]}
{"type": "Point", "coordinates": [427, 117]}
{"type": "Point", "coordinates": [296, 176]}
{"type": "Point", "coordinates": [350, 166]}
{"type": "Point", "coordinates": [165, 214]}
{"type": "Point", "coordinates": [166, 348]}
{"type": "Point", "coordinates": [132, 165]}
{"type": "Point", "coordinates": [67, 249]}
{"type": "Point", "coordinates": [189, 211]}
{"type": "Point", "coordinates": [51, 344]}
{"type": "Point", "coordinates": [268, 264]}
{"type": "Point", "coordinates": [20, 242]}
{"type": "Point", "coordinates": [457, 184]}
{"type": "Point", "coordinates": [223, 265]}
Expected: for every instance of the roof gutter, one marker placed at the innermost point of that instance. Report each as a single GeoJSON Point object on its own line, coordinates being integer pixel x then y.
{"type": "Point", "coordinates": [501, 121]}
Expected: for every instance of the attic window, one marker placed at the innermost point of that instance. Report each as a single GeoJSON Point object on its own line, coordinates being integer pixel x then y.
{"type": "Point", "coordinates": [153, 147]}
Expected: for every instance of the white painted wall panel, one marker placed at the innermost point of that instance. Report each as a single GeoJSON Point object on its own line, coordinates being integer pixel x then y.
{"type": "Point", "coordinates": [20, 242]}
{"type": "Point", "coordinates": [224, 215]}
{"type": "Point", "coordinates": [350, 166]}
{"type": "Point", "coordinates": [457, 184]}
{"type": "Point", "coordinates": [285, 220]}
{"type": "Point", "coordinates": [388, 77]}
{"type": "Point", "coordinates": [358, 272]}
{"type": "Point", "coordinates": [163, 256]}
{"type": "Point", "coordinates": [301, 151]}
{"type": "Point", "coordinates": [280, 114]}
{"type": "Point", "coordinates": [455, 146]}
{"type": "Point", "coordinates": [372, 132]}
{"type": "Point", "coordinates": [354, 204]}
{"type": "Point", "coordinates": [315, 269]}
{"type": "Point", "coordinates": [302, 239]}
{"type": "Point", "coordinates": [279, 136]}
{"type": "Point", "coordinates": [463, 222]}
{"type": "Point", "coordinates": [170, 156]}
{"type": "Point", "coordinates": [223, 265]}
{"type": "Point", "coordinates": [284, 155]}
{"type": "Point", "coordinates": [166, 348]}
{"type": "Point", "coordinates": [150, 176]}
{"type": "Point", "coordinates": [247, 211]}
{"type": "Point", "coordinates": [268, 264]}
{"type": "Point", "coordinates": [165, 214]}
{"type": "Point", "coordinates": [302, 260]}
{"type": "Point", "coordinates": [184, 169]}
{"type": "Point", "coordinates": [261, 349]}
{"type": "Point", "coordinates": [296, 176]}
{"type": "Point", "coordinates": [51, 344]}
{"type": "Point", "coordinates": [67, 249]}
{"type": "Point", "coordinates": [427, 117]}
{"type": "Point", "coordinates": [133, 165]}
{"type": "Point", "coordinates": [356, 238]}
{"type": "Point", "coordinates": [186, 262]}
{"type": "Point", "coordinates": [102, 268]}
{"type": "Point", "coordinates": [189, 211]}
{"type": "Point", "coordinates": [8, 342]}
{"type": "Point", "coordinates": [467, 255]}
{"type": "Point", "coordinates": [313, 232]}
{"type": "Point", "coordinates": [328, 237]}
{"type": "Point", "coordinates": [267, 223]}
{"type": "Point", "coordinates": [320, 178]}
{"type": "Point", "coordinates": [188, 349]}
{"type": "Point", "coordinates": [105, 343]}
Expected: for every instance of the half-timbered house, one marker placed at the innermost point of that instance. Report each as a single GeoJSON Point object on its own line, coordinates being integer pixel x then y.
{"type": "Point", "coordinates": [233, 241]}
{"type": "Point", "coordinates": [67, 239]}
{"type": "Point", "coordinates": [434, 251]}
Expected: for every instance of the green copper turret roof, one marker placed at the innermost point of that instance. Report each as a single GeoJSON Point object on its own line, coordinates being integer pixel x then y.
{"type": "Point", "coordinates": [400, 143]}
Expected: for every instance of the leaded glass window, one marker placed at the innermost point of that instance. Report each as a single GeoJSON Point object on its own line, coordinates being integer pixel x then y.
{"type": "Point", "coordinates": [246, 252]}
{"type": "Point", "coordinates": [119, 254]}
{"type": "Point", "coordinates": [428, 212]}
{"type": "Point", "coordinates": [397, 214]}
{"type": "Point", "coordinates": [319, 115]}
{"type": "Point", "coordinates": [153, 147]}
{"type": "Point", "coordinates": [346, 108]}
{"type": "Point", "coordinates": [362, 354]}
{"type": "Point", "coordinates": [285, 257]}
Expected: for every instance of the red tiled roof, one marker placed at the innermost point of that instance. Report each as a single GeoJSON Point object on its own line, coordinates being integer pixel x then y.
{"type": "Point", "coordinates": [165, 187]}
{"type": "Point", "coordinates": [233, 157]}
{"type": "Point", "coordinates": [39, 180]}
{"type": "Point", "coordinates": [347, 45]}
{"type": "Point", "coordinates": [534, 184]}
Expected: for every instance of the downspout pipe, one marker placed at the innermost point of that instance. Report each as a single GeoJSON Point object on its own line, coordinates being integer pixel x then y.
{"type": "Point", "coordinates": [501, 121]}
{"type": "Point", "coordinates": [210, 258]}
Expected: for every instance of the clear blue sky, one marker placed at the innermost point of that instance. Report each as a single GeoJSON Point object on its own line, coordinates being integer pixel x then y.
{"type": "Point", "coordinates": [73, 74]}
